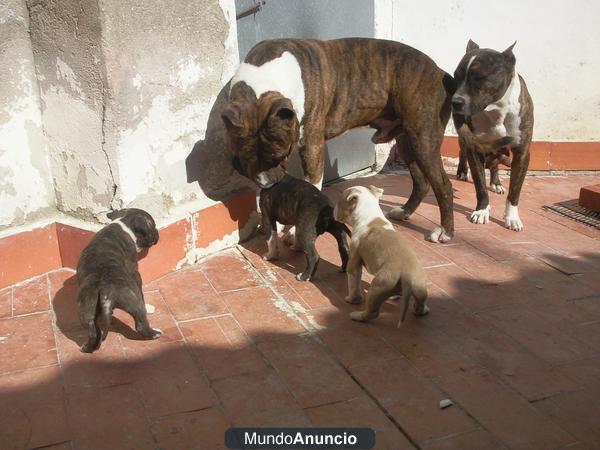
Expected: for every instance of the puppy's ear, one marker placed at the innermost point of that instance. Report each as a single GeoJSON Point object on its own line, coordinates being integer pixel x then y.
{"type": "Point", "coordinates": [232, 117]}
{"type": "Point", "coordinates": [508, 53]}
{"type": "Point", "coordinates": [377, 192]}
{"type": "Point", "coordinates": [471, 45]}
{"type": "Point", "coordinates": [113, 215]}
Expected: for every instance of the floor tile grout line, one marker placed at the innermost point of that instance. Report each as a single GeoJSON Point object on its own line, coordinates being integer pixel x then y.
{"type": "Point", "coordinates": [311, 334]}
{"type": "Point", "coordinates": [27, 369]}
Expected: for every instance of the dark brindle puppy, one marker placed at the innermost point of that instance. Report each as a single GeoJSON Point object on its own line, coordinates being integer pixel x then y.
{"type": "Point", "coordinates": [108, 275]}
{"type": "Point", "coordinates": [492, 110]}
{"type": "Point", "coordinates": [492, 161]}
{"type": "Point", "coordinates": [297, 202]}
{"type": "Point", "coordinates": [300, 92]}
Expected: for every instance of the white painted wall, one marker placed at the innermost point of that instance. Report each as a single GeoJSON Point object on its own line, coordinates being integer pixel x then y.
{"type": "Point", "coordinates": [558, 50]}
{"type": "Point", "coordinates": [26, 190]}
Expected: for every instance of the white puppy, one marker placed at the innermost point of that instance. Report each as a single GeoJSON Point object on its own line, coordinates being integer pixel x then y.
{"type": "Point", "coordinates": [383, 252]}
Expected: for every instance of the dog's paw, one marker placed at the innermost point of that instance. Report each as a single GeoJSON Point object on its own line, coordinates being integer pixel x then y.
{"type": "Point", "coordinates": [511, 218]}
{"type": "Point", "coordinates": [304, 276]}
{"type": "Point", "coordinates": [439, 235]}
{"type": "Point", "coordinates": [271, 256]}
{"type": "Point", "coordinates": [150, 308]}
{"type": "Point", "coordinates": [87, 348]}
{"type": "Point", "coordinates": [513, 223]}
{"type": "Point", "coordinates": [155, 333]}
{"type": "Point", "coordinates": [359, 316]}
{"type": "Point", "coordinates": [353, 299]}
{"type": "Point", "coordinates": [481, 215]}
{"type": "Point", "coordinates": [399, 213]}
{"type": "Point", "coordinates": [497, 188]}
{"type": "Point", "coordinates": [420, 310]}
{"type": "Point", "coordinates": [462, 176]}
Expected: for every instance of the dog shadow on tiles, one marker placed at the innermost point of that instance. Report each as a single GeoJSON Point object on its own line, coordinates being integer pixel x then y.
{"type": "Point", "coordinates": [538, 325]}
{"type": "Point", "coordinates": [66, 312]}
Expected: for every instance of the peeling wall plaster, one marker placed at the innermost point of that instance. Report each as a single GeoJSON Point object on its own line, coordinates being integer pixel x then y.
{"type": "Point", "coordinates": [26, 191]}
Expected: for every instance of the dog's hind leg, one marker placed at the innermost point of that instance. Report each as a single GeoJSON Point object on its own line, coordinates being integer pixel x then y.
{"type": "Point", "coordinates": [88, 306]}
{"type": "Point", "coordinates": [382, 287]}
{"type": "Point", "coordinates": [133, 303]}
{"type": "Point", "coordinates": [419, 190]}
{"type": "Point", "coordinates": [307, 239]}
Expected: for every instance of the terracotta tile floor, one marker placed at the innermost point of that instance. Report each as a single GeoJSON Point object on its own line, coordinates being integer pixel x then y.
{"type": "Point", "coordinates": [513, 339]}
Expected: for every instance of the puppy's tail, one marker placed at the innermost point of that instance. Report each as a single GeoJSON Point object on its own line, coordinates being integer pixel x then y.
{"type": "Point", "coordinates": [406, 295]}
{"type": "Point", "coordinates": [103, 314]}
{"type": "Point", "coordinates": [418, 290]}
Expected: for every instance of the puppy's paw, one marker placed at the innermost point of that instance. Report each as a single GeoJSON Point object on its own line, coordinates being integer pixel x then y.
{"type": "Point", "coordinates": [462, 176]}
{"type": "Point", "coordinates": [359, 316]}
{"type": "Point", "coordinates": [150, 308]}
{"type": "Point", "coordinates": [155, 333]}
{"type": "Point", "coordinates": [87, 348]}
{"type": "Point", "coordinates": [481, 216]}
{"type": "Point", "coordinates": [420, 310]}
{"type": "Point", "coordinates": [399, 213]}
{"type": "Point", "coordinates": [353, 299]}
{"type": "Point", "coordinates": [304, 276]}
{"type": "Point", "coordinates": [439, 235]}
{"type": "Point", "coordinates": [497, 188]}
{"type": "Point", "coordinates": [271, 256]}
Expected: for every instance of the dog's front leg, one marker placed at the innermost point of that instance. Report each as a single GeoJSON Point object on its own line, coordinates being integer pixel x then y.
{"type": "Point", "coordinates": [476, 164]}
{"type": "Point", "coordinates": [518, 170]}
{"type": "Point", "coordinates": [312, 156]}
{"type": "Point", "coordinates": [462, 172]}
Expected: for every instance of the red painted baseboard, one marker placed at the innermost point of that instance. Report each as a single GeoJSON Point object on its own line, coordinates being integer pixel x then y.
{"type": "Point", "coordinates": [547, 156]}
{"type": "Point", "coordinates": [57, 245]}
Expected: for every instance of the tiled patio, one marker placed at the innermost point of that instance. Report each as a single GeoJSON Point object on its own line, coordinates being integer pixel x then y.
{"type": "Point", "coordinates": [513, 339]}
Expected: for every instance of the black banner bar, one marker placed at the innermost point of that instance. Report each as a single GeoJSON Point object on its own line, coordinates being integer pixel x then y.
{"type": "Point", "coordinates": [299, 438]}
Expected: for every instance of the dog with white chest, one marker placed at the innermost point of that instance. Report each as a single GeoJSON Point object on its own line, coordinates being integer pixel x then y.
{"type": "Point", "coordinates": [376, 246]}
{"type": "Point", "coordinates": [493, 113]}
{"type": "Point", "coordinates": [108, 276]}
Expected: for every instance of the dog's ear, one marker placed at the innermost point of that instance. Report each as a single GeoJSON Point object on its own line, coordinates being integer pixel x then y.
{"type": "Point", "coordinates": [114, 215]}
{"type": "Point", "coordinates": [377, 192]}
{"type": "Point", "coordinates": [232, 117]}
{"type": "Point", "coordinates": [471, 45]}
{"type": "Point", "coordinates": [508, 53]}
{"type": "Point", "coordinates": [281, 114]}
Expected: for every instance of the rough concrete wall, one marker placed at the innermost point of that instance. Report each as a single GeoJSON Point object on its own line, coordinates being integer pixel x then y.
{"type": "Point", "coordinates": [66, 38]}
{"type": "Point", "coordinates": [166, 63]}
{"type": "Point", "coordinates": [25, 185]}
{"type": "Point", "coordinates": [557, 50]}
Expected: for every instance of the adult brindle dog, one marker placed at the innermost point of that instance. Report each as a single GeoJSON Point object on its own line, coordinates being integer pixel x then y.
{"type": "Point", "coordinates": [300, 92]}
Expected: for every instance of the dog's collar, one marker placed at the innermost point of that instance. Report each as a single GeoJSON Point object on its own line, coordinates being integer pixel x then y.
{"type": "Point", "coordinates": [127, 230]}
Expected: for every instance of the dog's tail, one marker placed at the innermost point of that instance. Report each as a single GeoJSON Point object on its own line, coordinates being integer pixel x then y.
{"type": "Point", "coordinates": [418, 290]}
{"type": "Point", "coordinates": [104, 313]}
{"type": "Point", "coordinates": [95, 314]}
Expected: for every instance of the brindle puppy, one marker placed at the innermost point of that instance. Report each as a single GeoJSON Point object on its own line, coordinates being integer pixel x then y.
{"type": "Point", "coordinates": [108, 275]}
{"type": "Point", "coordinates": [297, 202]}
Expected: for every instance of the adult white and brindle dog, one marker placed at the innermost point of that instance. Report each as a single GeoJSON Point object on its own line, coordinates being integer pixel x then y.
{"type": "Point", "coordinates": [300, 92]}
{"type": "Point", "coordinates": [493, 112]}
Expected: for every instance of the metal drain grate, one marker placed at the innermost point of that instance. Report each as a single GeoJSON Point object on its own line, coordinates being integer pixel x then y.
{"type": "Point", "coordinates": [573, 211]}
